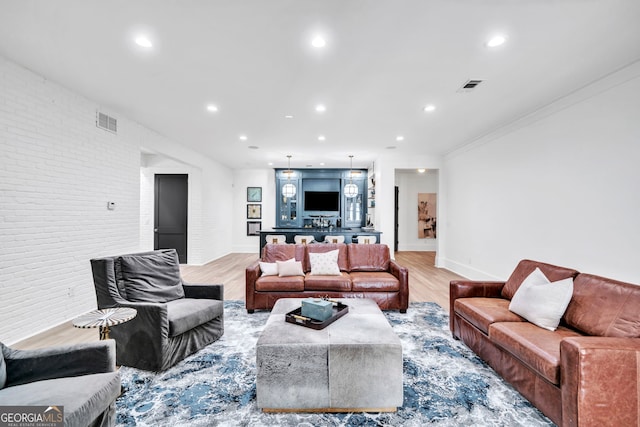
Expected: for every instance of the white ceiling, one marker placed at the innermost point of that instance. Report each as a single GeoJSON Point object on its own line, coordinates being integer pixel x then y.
{"type": "Point", "coordinates": [384, 61]}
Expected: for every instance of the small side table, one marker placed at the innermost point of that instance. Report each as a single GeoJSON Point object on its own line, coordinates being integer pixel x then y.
{"type": "Point", "coordinates": [105, 318]}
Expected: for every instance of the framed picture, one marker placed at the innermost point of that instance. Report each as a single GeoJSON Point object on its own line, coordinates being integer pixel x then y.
{"type": "Point", "coordinates": [254, 211]}
{"type": "Point", "coordinates": [427, 220]}
{"type": "Point", "coordinates": [254, 194]}
{"type": "Point", "coordinates": [253, 228]}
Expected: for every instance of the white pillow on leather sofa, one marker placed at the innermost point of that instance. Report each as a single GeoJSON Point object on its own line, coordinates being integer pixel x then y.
{"type": "Point", "coordinates": [541, 302]}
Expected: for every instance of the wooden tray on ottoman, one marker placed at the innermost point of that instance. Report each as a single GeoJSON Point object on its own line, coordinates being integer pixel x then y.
{"type": "Point", "coordinates": [295, 317]}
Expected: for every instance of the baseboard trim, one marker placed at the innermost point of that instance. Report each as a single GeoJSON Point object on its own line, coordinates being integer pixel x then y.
{"type": "Point", "coordinates": [465, 270]}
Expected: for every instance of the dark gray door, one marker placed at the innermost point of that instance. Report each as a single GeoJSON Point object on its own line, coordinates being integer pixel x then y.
{"type": "Point", "coordinates": [170, 217]}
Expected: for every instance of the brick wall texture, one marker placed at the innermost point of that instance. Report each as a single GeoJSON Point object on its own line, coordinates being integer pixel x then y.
{"type": "Point", "coordinates": [57, 173]}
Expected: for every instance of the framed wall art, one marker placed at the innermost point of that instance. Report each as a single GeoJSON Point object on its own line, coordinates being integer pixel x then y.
{"type": "Point", "coordinates": [427, 215]}
{"type": "Point", "coordinates": [254, 211]}
{"type": "Point", "coordinates": [254, 194]}
{"type": "Point", "coordinates": [253, 228]}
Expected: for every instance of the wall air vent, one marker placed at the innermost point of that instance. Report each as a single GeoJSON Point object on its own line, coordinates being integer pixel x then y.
{"type": "Point", "coordinates": [469, 85]}
{"type": "Point", "coordinates": [107, 122]}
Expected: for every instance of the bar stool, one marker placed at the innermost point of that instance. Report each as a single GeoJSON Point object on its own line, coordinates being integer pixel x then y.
{"type": "Point", "coordinates": [367, 239]}
{"type": "Point", "coordinates": [302, 240]}
{"type": "Point", "coordinates": [275, 238]}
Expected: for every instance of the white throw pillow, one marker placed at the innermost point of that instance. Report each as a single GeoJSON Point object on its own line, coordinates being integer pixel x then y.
{"type": "Point", "coordinates": [325, 263]}
{"type": "Point", "coordinates": [540, 302]}
{"type": "Point", "coordinates": [289, 268]}
{"type": "Point", "coordinates": [269, 268]}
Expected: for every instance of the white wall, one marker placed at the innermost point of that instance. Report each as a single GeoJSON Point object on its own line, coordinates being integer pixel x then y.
{"type": "Point", "coordinates": [559, 186]}
{"type": "Point", "coordinates": [151, 165]}
{"type": "Point", "coordinates": [209, 190]}
{"type": "Point", "coordinates": [57, 173]}
{"type": "Point", "coordinates": [410, 182]}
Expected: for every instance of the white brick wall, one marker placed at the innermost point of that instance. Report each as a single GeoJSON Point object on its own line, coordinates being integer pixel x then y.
{"type": "Point", "coordinates": [57, 173]}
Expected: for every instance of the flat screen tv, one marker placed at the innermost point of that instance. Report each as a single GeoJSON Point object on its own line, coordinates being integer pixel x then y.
{"type": "Point", "coordinates": [322, 201]}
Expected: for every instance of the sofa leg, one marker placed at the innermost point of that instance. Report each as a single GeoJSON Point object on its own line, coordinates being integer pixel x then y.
{"type": "Point", "coordinates": [403, 310]}
{"type": "Point", "coordinates": [250, 311]}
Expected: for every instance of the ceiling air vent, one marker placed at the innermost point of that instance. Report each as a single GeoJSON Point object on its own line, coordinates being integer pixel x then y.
{"type": "Point", "coordinates": [469, 85]}
{"type": "Point", "coordinates": [107, 122]}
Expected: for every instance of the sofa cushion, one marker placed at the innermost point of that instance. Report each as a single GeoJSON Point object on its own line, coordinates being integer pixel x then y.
{"type": "Point", "coordinates": [84, 397]}
{"type": "Point", "coordinates": [372, 257]}
{"type": "Point", "coordinates": [482, 312]}
{"type": "Point", "coordinates": [153, 277]}
{"type": "Point", "coordinates": [537, 348]}
{"type": "Point", "coordinates": [324, 248]}
{"type": "Point", "coordinates": [379, 281]}
{"type": "Point", "coordinates": [540, 302]}
{"type": "Point", "coordinates": [339, 283]}
{"type": "Point", "coordinates": [526, 267]}
{"type": "Point", "coordinates": [186, 313]}
{"type": "Point", "coordinates": [324, 264]}
{"type": "Point", "coordinates": [280, 284]}
{"type": "Point", "coordinates": [276, 252]}
{"type": "Point", "coordinates": [604, 307]}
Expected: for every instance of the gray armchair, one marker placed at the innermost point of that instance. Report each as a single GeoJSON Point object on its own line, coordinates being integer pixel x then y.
{"type": "Point", "coordinates": [174, 319]}
{"type": "Point", "coordinates": [81, 377]}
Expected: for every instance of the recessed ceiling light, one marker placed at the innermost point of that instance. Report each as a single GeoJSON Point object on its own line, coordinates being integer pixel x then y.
{"type": "Point", "coordinates": [288, 116]}
{"type": "Point", "coordinates": [422, 170]}
{"type": "Point", "coordinates": [270, 163]}
{"type": "Point", "coordinates": [429, 108]}
{"type": "Point", "coordinates": [213, 108]}
{"type": "Point", "coordinates": [321, 138]}
{"type": "Point", "coordinates": [399, 138]}
{"type": "Point", "coordinates": [318, 42]}
{"type": "Point", "coordinates": [243, 137]}
{"type": "Point", "coordinates": [496, 40]}
{"type": "Point", "coordinates": [143, 41]}
{"type": "Point", "coordinates": [321, 163]}
{"type": "Point", "coordinates": [320, 108]}
{"type": "Point", "coordinates": [253, 147]}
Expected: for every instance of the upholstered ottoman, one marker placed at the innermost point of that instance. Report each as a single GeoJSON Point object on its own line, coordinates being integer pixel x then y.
{"type": "Point", "coordinates": [354, 364]}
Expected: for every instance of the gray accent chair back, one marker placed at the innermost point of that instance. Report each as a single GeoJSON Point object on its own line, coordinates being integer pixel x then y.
{"type": "Point", "coordinates": [80, 377]}
{"type": "Point", "coordinates": [174, 320]}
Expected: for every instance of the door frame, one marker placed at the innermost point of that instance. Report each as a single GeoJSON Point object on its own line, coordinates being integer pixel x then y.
{"type": "Point", "coordinates": [183, 256]}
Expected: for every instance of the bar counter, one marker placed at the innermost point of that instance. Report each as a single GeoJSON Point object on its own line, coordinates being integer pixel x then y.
{"type": "Point", "coordinates": [319, 234]}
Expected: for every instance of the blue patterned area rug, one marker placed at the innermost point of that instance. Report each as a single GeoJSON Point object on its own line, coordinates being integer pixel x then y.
{"type": "Point", "coordinates": [444, 383]}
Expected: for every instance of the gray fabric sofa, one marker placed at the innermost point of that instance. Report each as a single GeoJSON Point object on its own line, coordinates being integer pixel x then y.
{"type": "Point", "coordinates": [174, 319]}
{"type": "Point", "coordinates": [81, 377]}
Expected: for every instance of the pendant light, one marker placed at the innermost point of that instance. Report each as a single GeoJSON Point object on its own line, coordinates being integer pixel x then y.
{"type": "Point", "coordinates": [289, 190]}
{"type": "Point", "coordinates": [351, 190]}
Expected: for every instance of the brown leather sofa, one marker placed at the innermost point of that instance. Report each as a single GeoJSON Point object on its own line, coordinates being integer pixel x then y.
{"type": "Point", "coordinates": [367, 271]}
{"type": "Point", "coordinates": [585, 373]}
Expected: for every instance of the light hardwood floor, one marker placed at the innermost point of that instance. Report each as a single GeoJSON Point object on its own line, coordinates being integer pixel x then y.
{"type": "Point", "coordinates": [426, 284]}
